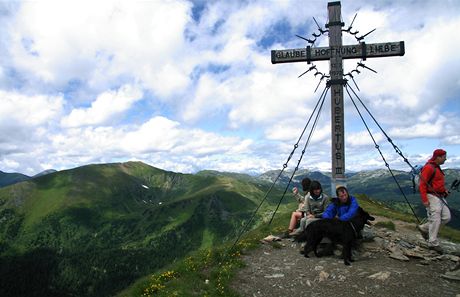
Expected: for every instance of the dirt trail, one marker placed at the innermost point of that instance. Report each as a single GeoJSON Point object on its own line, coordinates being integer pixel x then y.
{"type": "Point", "coordinates": [280, 270]}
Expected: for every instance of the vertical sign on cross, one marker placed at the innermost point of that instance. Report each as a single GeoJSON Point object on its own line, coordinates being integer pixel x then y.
{"type": "Point", "coordinates": [336, 53]}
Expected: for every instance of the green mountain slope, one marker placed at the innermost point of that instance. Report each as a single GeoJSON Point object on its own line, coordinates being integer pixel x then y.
{"type": "Point", "coordinates": [11, 178]}
{"type": "Point", "coordinates": [92, 230]}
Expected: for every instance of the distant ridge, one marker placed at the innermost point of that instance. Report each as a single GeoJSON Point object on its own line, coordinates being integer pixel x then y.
{"type": "Point", "coordinates": [7, 179]}
{"type": "Point", "coordinates": [44, 172]}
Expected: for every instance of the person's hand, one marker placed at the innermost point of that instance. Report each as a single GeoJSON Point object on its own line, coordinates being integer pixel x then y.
{"type": "Point", "coordinates": [310, 216]}
{"type": "Point", "coordinates": [426, 204]}
{"type": "Point", "coordinates": [295, 190]}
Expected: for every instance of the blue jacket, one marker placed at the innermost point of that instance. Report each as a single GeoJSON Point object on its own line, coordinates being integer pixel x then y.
{"type": "Point", "coordinates": [344, 211]}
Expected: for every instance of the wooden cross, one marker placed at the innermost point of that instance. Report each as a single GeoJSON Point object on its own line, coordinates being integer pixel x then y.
{"type": "Point", "coordinates": [335, 53]}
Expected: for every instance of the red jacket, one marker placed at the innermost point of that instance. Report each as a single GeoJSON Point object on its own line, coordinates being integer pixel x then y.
{"type": "Point", "coordinates": [436, 186]}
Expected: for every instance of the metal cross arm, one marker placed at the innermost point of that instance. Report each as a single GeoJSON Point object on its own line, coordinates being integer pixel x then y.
{"type": "Point", "coordinates": [361, 50]}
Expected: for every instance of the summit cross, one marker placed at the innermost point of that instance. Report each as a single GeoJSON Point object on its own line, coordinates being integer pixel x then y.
{"type": "Point", "coordinates": [335, 53]}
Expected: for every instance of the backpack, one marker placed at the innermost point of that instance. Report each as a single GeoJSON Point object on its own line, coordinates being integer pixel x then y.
{"type": "Point", "coordinates": [416, 171]}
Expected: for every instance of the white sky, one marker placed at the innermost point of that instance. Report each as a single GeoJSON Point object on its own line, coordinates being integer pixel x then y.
{"type": "Point", "coordinates": [189, 85]}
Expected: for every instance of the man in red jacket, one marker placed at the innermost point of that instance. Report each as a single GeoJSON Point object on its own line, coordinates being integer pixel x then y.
{"type": "Point", "coordinates": [433, 193]}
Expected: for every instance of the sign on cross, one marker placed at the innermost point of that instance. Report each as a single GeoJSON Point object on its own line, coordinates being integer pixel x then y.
{"type": "Point", "coordinates": [335, 53]}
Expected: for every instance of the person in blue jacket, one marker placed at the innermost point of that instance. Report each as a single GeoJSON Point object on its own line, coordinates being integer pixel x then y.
{"type": "Point", "coordinates": [344, 207]}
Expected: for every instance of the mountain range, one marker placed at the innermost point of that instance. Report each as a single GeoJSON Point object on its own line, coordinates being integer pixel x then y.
{"type": "Point", "coordinates": [93, 230]}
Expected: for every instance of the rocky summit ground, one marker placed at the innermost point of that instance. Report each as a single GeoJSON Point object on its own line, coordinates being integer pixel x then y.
{"type": "Point", "coordinates": [387, 263]}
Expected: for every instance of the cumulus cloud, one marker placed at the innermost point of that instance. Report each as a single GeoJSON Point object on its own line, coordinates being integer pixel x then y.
{"type": "Point", "coordinates": [106, 106]}
{"type": "Point", "coordinates": [162, 134]}
{"type": "Point", "coordinates": [198, 81]}
{"type": "Point", "coordinates": [17, 108]}
{"type": "Point", "coordinates": [58, 41]}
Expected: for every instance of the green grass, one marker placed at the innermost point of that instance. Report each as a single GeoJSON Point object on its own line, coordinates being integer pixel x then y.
{"type": "Point", "coordinates": [218, 265]}
{"type": "Point", "coordinates": [44, 203]}
{"type": "Point", "coordinates": [188, 277]}
{"type": "Point", "coordinates": [387, 224]}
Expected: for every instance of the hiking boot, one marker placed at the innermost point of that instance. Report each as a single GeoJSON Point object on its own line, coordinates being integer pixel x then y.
{"type": "Point", "coordinates": [295, 233]}
{"type": "Point", "coordinates": [423, 232]}
{"type": "Point", "coordinates": [285, 234]}
{"type": "Point", "coordinates": [436, 248]}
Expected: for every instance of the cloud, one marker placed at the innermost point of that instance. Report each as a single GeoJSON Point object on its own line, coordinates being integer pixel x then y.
{"type": "Point", "coordinates": [198, 82]}
{"type": "Point", "coordinates": [30, 110]}
{"type": "Point", "coordinates": [161, 134]}
{"type": "Point", "coordinates": [104, 42]}
{"type": "Point", "coordinates": [363, 138]}
{"type": "Point", "coordinates": [106, 106]}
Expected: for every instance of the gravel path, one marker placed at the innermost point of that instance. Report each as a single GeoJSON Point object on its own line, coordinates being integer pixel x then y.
{"type": "Point", "coordinates": [280, 270]}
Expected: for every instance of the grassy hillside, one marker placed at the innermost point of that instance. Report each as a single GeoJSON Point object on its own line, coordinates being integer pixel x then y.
{"type": "Point", "coordinates": [92, 230]}
{"type": "Point", "coordinates": [96, 229]}
{"type": "Point", "coordinates": [207, 272]}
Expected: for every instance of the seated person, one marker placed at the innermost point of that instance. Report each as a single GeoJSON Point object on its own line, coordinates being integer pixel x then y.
{"type": "Point", "coordinates": [315, 204]}
{"type": "Point", "coordinates": [299, 212]}
{"type": "Point", "coordinates": [344, 207]}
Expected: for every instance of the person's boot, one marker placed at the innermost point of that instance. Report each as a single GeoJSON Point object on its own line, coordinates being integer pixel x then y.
{"type": "Point", "coordinates": [423, 232]}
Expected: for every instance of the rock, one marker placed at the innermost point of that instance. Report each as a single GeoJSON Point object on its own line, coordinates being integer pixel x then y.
{"type": "Point", "coordinates": [366, 255]}
{"type": "Point", "coordinates": [319, 268]}
{"type": "Point", "coordinates": [368, 234]}
{"type": "Point", "coordinates": [382, 275]}
{"type": "Point", "coordinates": [379, 242]}
{"type": "Point", "coordinates": [270, 238]}
{"type": "Point", "coordinates": [323, 275]}
{"type": "Point", "coordinates": [342, 278]}
{"type": "Point", "coordinates": [276, 275]}
{"type": "Point", "coordinates": [413, 254]}
{"type": "Point", "coordinates": [425, 262]}
{"type": "Point", "coordinates": [452, 275]}
{"type": "Point", "coordinates": [406, 244]}
{"type": "Point", "coordinates": [448, 257]}
{"type": "Point", "coordinates": [398, 255]}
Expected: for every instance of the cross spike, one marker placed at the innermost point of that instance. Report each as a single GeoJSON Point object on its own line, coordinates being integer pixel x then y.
{"type": "Point", "coordinates": [303, 73]}
{"type": "Point", "coordinates": [364, 66]}
{"type": "Point", "coordinates": [362, 37]}
{"type": "Point", "coordinates": [309, 69]}
{"type": "Point", "coordinates": [302, 37]}
{"type": "Point", "coordinates": [319, 27]}
{"type": "Point", "coordinates": [351, 25]}
{"type": "Point", "coordinates": [306, 39]}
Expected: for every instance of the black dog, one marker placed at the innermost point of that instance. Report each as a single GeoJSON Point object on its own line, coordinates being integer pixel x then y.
{"type": "Point", "coordinates": [337, 231]}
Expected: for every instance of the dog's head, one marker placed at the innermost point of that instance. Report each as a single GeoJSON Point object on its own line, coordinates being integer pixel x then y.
{"type": "Point", "coordinates": [362, 217]}
{"type": "Point", "coordinates": [367, 217]}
